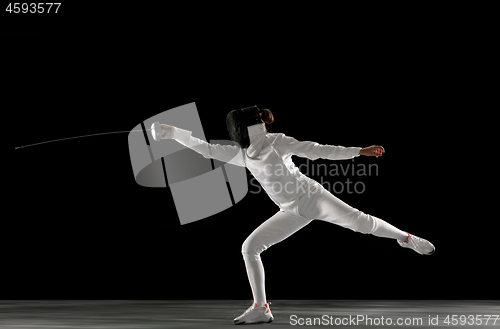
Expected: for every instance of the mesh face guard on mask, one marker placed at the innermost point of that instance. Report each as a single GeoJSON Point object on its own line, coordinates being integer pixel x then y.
{"type": "Point", "coordinates": [238, 121]}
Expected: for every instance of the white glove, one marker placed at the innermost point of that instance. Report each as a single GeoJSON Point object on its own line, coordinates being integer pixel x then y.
{"type": "Point", "coordinates": [167, 132]}
{"type": "Point", "coordinates": [161, 131]}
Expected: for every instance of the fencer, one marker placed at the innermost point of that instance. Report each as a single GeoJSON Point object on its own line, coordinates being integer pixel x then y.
{"type": "Point", "coordinates": [300, 199]}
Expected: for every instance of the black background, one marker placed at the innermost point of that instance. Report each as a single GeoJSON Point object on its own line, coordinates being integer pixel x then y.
{"type": "Point", "coordinates": [80, 227]}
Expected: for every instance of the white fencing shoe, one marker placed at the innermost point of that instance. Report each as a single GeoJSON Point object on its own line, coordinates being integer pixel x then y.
{"type": "Point", "coordinates": [420, 245]}
{"type": "Point", "coordinates": [255, 314]}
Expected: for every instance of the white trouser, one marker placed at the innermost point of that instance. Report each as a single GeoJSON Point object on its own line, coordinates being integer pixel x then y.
{"type": "Point", "coordinates": [323, 206]}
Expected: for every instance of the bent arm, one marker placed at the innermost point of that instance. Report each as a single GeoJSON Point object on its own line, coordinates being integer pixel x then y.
{"type": "Point", "coordinates": [225, 153]}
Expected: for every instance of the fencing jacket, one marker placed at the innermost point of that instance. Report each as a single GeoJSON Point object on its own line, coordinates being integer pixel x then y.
{"type": "Point", "coordinates": [269, 159]}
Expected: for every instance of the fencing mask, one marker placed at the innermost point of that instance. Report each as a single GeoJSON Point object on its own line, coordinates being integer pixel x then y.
{"type": "Point", "coordinates": [238, 121]}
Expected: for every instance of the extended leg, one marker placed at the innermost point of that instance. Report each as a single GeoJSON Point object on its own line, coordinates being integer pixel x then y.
{"type": "Point", "coordinates": [325, 206]}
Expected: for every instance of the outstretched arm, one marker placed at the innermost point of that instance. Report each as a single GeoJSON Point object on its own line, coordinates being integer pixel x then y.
{"type": "Point", "coordinates": [313, 150]}
{"type": "Point", "coordinates": [226, 153]}
{"type": "Point", "coordinates": [374, 150]}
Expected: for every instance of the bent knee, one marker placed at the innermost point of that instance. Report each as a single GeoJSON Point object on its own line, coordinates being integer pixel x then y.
{"type": "Point", "coordinates": [251, 249]}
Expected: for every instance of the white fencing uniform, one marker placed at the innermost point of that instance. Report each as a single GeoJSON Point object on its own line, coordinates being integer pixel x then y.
{"type": "Point", "coordinates": [300, 198]}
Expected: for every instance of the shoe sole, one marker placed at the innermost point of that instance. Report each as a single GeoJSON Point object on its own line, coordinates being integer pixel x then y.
{"type": "Point", "coordinates": [244, 322]}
